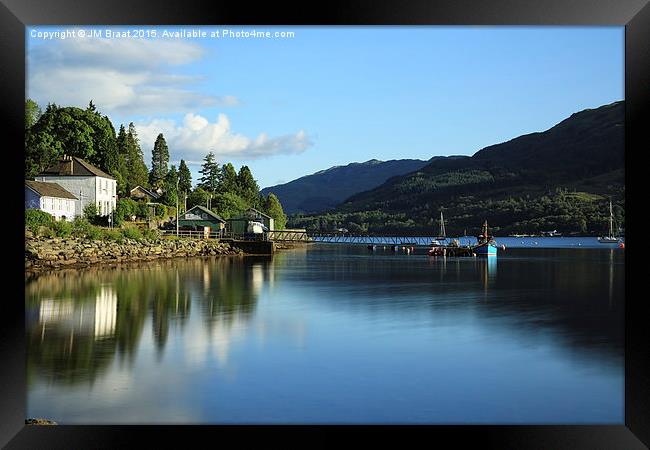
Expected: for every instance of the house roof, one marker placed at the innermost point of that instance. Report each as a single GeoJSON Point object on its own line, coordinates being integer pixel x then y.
{"type": "Point", "coordinates": [73, 166]}
{"type": "Point", "coordinates": [259, 213]}
{"type": "Point", "coordinates": [146, 191]}
{"type": "Point", "coordinates": [207, 211]}
{"type": "Point", "coordinates": [49, 189]}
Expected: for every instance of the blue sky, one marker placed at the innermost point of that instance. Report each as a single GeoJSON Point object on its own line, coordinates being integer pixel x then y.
{"type": "Point", "coordinates": [327, 96]}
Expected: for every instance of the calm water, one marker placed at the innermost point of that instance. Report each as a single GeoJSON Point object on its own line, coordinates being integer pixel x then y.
{"type": "Point", "coordinates": [332, 334]}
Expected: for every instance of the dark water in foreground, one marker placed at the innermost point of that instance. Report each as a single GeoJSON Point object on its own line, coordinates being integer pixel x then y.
{"type": "Point", "coordinates": [332, 334]}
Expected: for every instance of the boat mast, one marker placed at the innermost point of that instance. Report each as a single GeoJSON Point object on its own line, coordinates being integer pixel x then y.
{"type": "Point", "coordinates": [442, 227]}
{"type": "Point", "coordinates": [611, 218]}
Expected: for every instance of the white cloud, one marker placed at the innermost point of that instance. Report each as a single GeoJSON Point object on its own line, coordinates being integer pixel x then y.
{"type": "Point", "coordinates": [133, 76]}
{"type": "Point", "coordinates": [196, 136]}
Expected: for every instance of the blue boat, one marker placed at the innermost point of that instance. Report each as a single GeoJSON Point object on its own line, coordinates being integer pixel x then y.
{"type": "Point", "coordinates": [486, 245]}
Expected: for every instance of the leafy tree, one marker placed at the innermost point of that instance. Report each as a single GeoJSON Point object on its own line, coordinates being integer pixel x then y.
{"type": "Point", "coordinates": [228, 204]}
{"type": "Point", "coordinates": [159, 161]}
{"type": "Point", "coordinates": [32, 113]}
{"type": "Point", "coordinates": [106, 155]}
{"type": "Point", "coordinates": [198, 196]}
{"type": "Point", "coordinates": [210, 174]}
{"type": "Point", "coordinates": [247, 186]}
{"type": "Point", "coordinates": [58, 131]}
{"type": "Point", "coordinates": [82, 133]}
{"type": "Point", "coordinates": [273, 208]}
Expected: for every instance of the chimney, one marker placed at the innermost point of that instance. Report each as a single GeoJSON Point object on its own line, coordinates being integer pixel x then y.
{"type": "Point", "coordinates": [67, 165]}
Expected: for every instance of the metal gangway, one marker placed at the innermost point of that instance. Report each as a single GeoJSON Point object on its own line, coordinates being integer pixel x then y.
{"type": "Point", "coordinates": [348, 238]}
{"type": "Point", "coordinates": [315, 237]}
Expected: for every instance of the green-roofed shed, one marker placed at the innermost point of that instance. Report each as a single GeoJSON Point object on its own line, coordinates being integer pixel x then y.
{"type": "Point", "coordinates": [198, 217]}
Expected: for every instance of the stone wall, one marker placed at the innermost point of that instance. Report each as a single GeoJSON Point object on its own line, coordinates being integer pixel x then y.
{"type": "Point", "coordinates": [63, 252]}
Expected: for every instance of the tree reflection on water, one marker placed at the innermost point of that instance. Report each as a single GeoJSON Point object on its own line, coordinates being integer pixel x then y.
{"type": "Point", "coordinates": [78, 322]}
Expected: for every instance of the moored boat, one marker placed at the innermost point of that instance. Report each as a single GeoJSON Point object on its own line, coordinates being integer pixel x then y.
{"type": "Point", "coordinates": [486, 245]}
{"type": "Point", "coordinates": [610, 238]}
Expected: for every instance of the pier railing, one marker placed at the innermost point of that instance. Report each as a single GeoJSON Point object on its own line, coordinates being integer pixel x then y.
{"type": "Point", "coordinates": [304, 236]}
{"type": "Point", "coordinates": [216, 235]}
{"type": "Point", "coordinates": [345, 238]}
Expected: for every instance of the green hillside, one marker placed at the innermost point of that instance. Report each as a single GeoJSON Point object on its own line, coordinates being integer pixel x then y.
{"type": "Point", "coordinates": [560, 179]}
{"type": "Point", "coordinates": [327, 188]}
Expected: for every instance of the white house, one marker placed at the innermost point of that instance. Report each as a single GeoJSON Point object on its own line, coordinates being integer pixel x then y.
{"type": "Point", "coordinates": [51, 198]}
{"type": "Point", "coordinates": [85, 181]}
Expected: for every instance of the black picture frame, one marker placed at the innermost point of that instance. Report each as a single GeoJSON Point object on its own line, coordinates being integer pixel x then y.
{"type": "Point", "coordinates": [16, 14]}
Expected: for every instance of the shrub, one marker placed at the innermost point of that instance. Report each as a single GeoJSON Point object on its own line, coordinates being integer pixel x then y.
{"type": "Point", "coordinates": [143, 210]}
{"type": "Point", "coordinates": [112, 235]}
{"type": "Point", "coordinates": [132, 233]}
{"type": "Point", "coordinates": [124, 209]}
{"type": "Point", "coordinates": [82, 228]}
{"type": "Point", "coordinates": [91, 212]}
{"type": "Point", "coordinates": [161, 211]}
{"type": "Point", "coordinates": [45, 231]}
{"type": "Point", "coordinates": [153, 235]}
{"type": "Point", "coordinates": [62, 228]}
{"type": "Point", "coordinates": [35, 218]}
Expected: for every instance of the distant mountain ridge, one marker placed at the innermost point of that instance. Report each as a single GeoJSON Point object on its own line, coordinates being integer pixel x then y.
{"type": "Point", "coordinates": [588, 143]}
{"type": "Point", "coordinates": [560, 179]}
{"type": "Point", "coordinates": [327, 188]}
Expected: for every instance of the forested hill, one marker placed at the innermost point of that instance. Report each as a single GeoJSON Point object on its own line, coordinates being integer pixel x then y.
{"type": "Point", "coordinates": [327, 188]}
{"type": "Point", "coordinates": [561, 179]}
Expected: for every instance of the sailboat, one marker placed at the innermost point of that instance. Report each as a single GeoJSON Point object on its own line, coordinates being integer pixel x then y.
{"type": "Point", "coordinates": [610, 238]}
{"type": "Point", "coordinates": [442, 236]}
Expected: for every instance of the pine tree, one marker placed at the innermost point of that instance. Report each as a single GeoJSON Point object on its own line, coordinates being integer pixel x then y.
{"type": "Point", "coordinates": [122, 157]}
{"type": "Point", "coordinates": [159, 161]}
{"type": "Point", "coordinates": [228, 179]}
{"type": "Point", "coordinates": [209, 179]}
{"type": "Point", "coordinates": [247, 186]}
{"type": "Point", "coordinates": [185, 178]}
{"type": "Point", "coordinates": [170, 187]}
{"type": "Point", "coordinates": [137, 170]}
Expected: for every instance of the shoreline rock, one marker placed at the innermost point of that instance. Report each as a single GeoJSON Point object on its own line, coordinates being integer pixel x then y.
{"type": "Point", "coordinates": [53, 253]}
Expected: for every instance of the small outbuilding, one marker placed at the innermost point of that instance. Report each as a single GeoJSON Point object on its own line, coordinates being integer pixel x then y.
{"type": "Point", "coordinates": [142, 193]}
{"type": "Point", "coordinates": [198, 217]}
{"type": "Point", "coordinates": [259, 216]}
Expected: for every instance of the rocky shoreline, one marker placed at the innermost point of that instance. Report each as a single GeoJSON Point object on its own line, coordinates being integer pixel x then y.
{"type": "Point", "coordinates": [50, 253]}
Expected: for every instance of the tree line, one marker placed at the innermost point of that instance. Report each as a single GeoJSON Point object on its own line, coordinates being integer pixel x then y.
{"type": "Point", "coordinates": [90, 135]}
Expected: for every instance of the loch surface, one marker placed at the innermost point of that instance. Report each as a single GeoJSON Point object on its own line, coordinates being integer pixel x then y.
{"type": "Point", "coordinates": [332, 334]}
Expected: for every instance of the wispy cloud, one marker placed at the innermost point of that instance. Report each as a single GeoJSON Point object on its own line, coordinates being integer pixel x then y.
{"type": "Point", "coordinates": [134, 76]}
{"type": "Point", "coordinates": [196, 136]}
